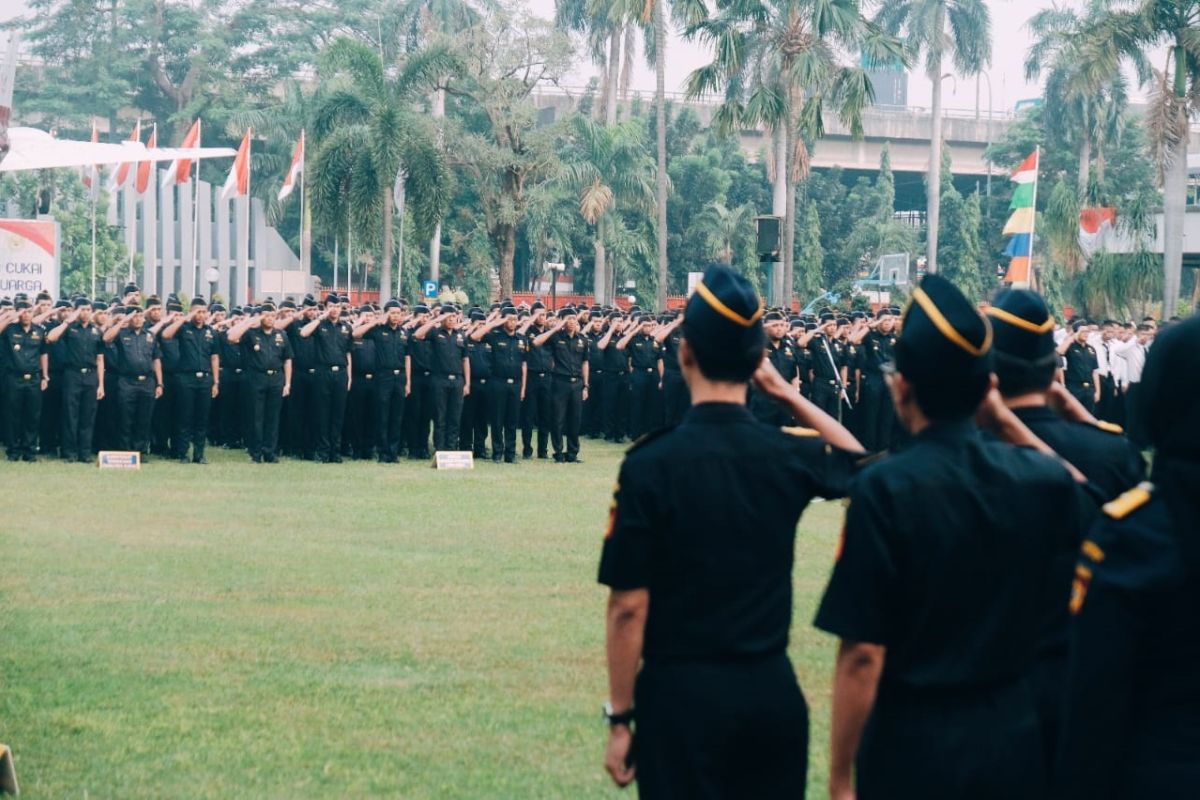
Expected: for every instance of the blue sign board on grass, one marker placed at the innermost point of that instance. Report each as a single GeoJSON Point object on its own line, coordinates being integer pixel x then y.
{"type": "Point", "coordinates": [430, 288]}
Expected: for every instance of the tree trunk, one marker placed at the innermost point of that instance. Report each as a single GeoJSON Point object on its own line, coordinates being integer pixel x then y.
{"type": "Point", "coordinates": [1085, 161]}
{"type": "Point", "coordinates": [1174, 201]}
{"type": "Point", "coordinates": [933, 197]}
{"type": "Point", "coordinates": [508, 251]}
{"type": "Point", "coordinates": [385, 260]}
{"type": "Point", "coordinates": [660, 92]}
{"type": "Point", "coordinates": [789, 228]}
{"type": "Point", "coordinates": [599, 278]}
{"type": "Point", "coordinates": [614, 77]}
{"type": "Point", "coordinates": [435, 243]}
{"type": "Point", "coordinates": [779, 187]}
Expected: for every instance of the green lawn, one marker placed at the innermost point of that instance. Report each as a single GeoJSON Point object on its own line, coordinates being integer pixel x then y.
{"type": "Point", "coordinates": [239, 630]}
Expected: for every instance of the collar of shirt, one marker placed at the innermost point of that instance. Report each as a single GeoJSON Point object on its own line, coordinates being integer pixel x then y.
{"type": "Point", "coordinates": [717, 413]}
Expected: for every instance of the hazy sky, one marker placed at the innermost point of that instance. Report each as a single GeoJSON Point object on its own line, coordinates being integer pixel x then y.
{"type": "Point", "coordinates": [1010, 41]}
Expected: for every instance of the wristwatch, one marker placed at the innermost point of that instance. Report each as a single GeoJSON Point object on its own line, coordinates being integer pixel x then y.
{"type": "Point", "coordinates": [613, 718]}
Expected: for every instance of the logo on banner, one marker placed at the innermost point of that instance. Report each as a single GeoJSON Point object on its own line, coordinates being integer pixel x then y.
{"type": "Point", "coordinates": [29, 257]}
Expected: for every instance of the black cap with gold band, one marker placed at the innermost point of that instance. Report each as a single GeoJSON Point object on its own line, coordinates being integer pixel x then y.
{"type": "Point", "coordinates": [945, 339]}
{"type": "Point", "coordinates": [723, 320]}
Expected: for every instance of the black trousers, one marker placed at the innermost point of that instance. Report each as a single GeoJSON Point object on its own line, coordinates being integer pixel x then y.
{"type": "Point", "coordinates": [676, 397]}
{"type": "Point", "coordinates": [616, 405]}
{"type": "Point", "coordinates": [51, 433]}
{"type": "Point", "coordinates": [504, 405]}
{"type": "Point", "coordinates": [359, 428]}
{"type": "Point", "coordinates": [231, 407]}
{"type": "Point", "coordinates": [1110, 407]}
{"type": "Point", "coordinates": [301, 414]}
{"type": "Point", "coordinates": [537, 411]}
{"type": "Point", "coordinates": [162, 426]}
{"type": "Point", "coordinates": [329, 409]}
{"type": "Point", "coordinates": [982, 744]}
{"type": "Point", "coordinates": [827, 398]}
{"type": "Point", "coordinates": [593, 408]}
{"type": "Point", "coordinates": [389, 412]}
{"type": "Point", "coordinates": [475, 417]}
{"type": "Point", "coordinates": [1085, 394]}
{"type": "Point", "coordinates": [263, 401]}
{"type": "Point", "coordinates": [447, 395]}
{"type": "Point", "coordinates": [135, 399]}
{"type": "Point", "coordinates": [418, 413]}
{"type": "Point", "coordinates": [567, 396]}
{"type": "Point", "coordinates": [107, 435]}
{"type": "Point", "coordinates": [192, 403]}
{"type": "Point", "coordinates": [78, 412]}
{"type": "Point", "coordinates": [720, 730]}
{"type": "Point", "coordinates": [23, 410]}
{"type": "Point", "coordinates": [877, 414]}
{"type": "Point", "coordinates": [643, 392]}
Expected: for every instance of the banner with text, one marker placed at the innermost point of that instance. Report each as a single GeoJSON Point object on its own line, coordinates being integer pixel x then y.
{"type": "Point", "coordinates": [29, 257]}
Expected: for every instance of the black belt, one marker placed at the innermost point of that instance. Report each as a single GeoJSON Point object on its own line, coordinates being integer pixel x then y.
{"type": "Point", "coordinates": [312, 370]}
{"type": "Point", "coordinates": [597, 372]}
{"type": "Point", "coordinates": [28, 376]}
{"type": "Point", "coordinates": [85, 370]}
{"type": "Point", "coordinates": [138, 377]}
{"type": "Point", "coordinates": [481, 381]}
{"type": "Point", "coordinates": [451, 377]}
{"type": "Point", "coordinates": [540, 374]}
{"type": "Point", "coordinates": [568, 378]}
{"type": "Point", "coordinates": [202, 374]}
{"type": "Point", "coordinates": [334, 367]}
{"type": "Point", "coordinates": [269, 371]}
{"type": "Point", "coordinates": [647, 369]}
{"type": "Point", "coordinates": [510, 380]}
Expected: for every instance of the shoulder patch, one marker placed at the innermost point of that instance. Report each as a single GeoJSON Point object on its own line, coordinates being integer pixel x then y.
{"type": "Point", "coordinates": [1130, 501]}
{"type": "Point", "coordinates": [646, 438]}
{"type": "Point", "coordinates": [796, 430]}
{"type": "Point", "coordinates": [1110, 427]}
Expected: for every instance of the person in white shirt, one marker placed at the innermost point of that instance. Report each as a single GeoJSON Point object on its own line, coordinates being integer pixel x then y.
{"type": "Point", "coordinates": [1102, 341]}
{"type": "Point", "coordinates": [1132, 354]}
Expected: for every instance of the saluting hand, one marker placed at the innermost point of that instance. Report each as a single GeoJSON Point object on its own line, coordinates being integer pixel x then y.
{"type": "Point", "coordinates": [620, 741]}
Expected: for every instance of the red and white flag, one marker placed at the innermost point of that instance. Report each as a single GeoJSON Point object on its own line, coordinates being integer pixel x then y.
{"type": "Point", "coordinates": [144, 168]}
{"type": "Point", "coordinates": [120, 177]}
{"type": "Point", "coordinates": [180, 171]}
{"type": "Point", "coordinates": [295, 171]}
{"type": "Point", "coordinates": [91, 175]}
{"type": "Point", "coordinates": [238, 182]}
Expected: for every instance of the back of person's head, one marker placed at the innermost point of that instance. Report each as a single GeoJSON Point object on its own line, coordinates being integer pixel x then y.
{"type": "Point", "coordinates": [1168, 404]}
{"type": "Point", "coordinates": [722, 325]}
{"type": "Point", "coordinates": [945, 351]}
{"type": "Point", "coordinates": [1023, 340]}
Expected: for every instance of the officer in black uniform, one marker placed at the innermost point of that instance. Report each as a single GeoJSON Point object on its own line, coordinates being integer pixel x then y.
{"type": "Point", "coordinates": [393, 368]}
{"type": "Point", "coordinates": [450, 381]}
{"type": "Point", "coordinates": [508, 349]}
{"type": "Point", "coordinates": [331, 353]}
{"type": "Point", "coordinates": [475, 414]}
{"type": "Point", "coordinates": [158, 317]}
{"type": "Point", "coordinates": [645, 374]}
{"type": "Point", "coordinates": [570, 388]}
{"type": "Point", "coordinates": [829, 373]}
{"type": "Point", "coordinates": [106, 435]}
{"type": "Point", "coordinates": [1132, 712]}
{"type": "Point", "coordinates": [1026, 364]}
{"type": "Point", "coordinates": [616, 379]}
{"type": "Point", "coordinates": [26, 372]}
{"type": "Point", "coordinates": [418, 412]}
{"type": "Point", "coordinates": [675, 391]}
{"type": "Point", "coordinates": [782, 356]}
{"type": "Point", "coordinates": [702, 581]}
{"type": "Point", "coordinates": [1082, 371]}
{"type": "Point", "coordinates": [52, 399]}
{"type": "Point", "coordinates": [229, 408]}
{"type": "Point", "coordinates": [537, 410]}
{"type": "Point", "coordinates": [83, 380]}
{"type": "Point", "coordinates": [138, 365]}
{"type": "Point", "coordinates": [593, 409]}
{"type": "Point", "coordinates": [875, 402]}
{"type": "Point", "coordinates": [359, 431]}
{"type": "Point", "coordinates": [197, 380]}
{"type": "Point", "coordinates": [267, 362]}
{"type": "Point", "coordinates": [945, 574]}
{"type": "Point", "coordinates": [300, 406]}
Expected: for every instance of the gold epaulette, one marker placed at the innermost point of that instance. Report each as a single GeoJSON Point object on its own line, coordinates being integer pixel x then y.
{"type": "Point", "coordinates": [648, 437]}
{"type": "Point", "coordinates": [796, 430]}
{"type": "Point", "coordinates": [1110, 427]}
{"type": "Point", "coordinates": [1130, 501]}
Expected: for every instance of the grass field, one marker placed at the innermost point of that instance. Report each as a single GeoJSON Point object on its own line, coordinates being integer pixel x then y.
{"type": "Point", "coordinates": [243, 630]}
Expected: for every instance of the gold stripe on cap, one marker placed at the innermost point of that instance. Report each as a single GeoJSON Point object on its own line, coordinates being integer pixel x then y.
{"type": "Point", "coordinates": [1020, 322]}
{"type": "Point", "coordinates": [727, 312]}
{"type": "Point", "coordinates": [943, 325]}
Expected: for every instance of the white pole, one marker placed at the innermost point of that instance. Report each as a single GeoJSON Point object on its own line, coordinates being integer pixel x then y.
{"type": "Point", "coordinates": [245, 271]}
{"type": "Point", "coordinates": [1037, 167]}
{"type": "Point", "coordinates": [196, 218]}
{"type": "Point", "coordinates": [336, 259]}
{"type": "Point", "coordinates": [282, 288]}
{"type": "Point", "coordinates": [349, 252]}
{"type": "Point", "coordinates": [95, 181]}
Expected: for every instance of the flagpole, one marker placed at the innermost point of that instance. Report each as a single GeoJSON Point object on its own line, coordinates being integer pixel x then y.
{"type": "Point", "coordinates": [196, 215]}
{"type": "Point", "coordinates": [245, 272]}
{"type": "Point", "coordinates": [95, 180]}
{"type": "Point", "coordinates": [1037, 167]}
{"type": "Point", "coordinates": [303, 155]}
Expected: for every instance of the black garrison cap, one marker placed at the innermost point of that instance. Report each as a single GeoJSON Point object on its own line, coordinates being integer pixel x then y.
{"type": "Point", "coordinates": [724, 315]}
{"type": "Point", "coordinates": [1022, 326]}
{"type": "Point", "coordinates": [945, 339]}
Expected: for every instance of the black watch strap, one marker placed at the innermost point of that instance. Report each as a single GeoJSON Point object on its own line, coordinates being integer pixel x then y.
{"type": "Point", "coordinates": [613, 718]}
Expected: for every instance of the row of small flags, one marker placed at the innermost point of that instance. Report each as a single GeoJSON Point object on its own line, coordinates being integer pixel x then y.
{"type": "Point", "coordinates": [237, 184]}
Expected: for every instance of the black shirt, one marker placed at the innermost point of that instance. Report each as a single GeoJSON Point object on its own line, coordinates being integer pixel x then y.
{"type": "Point", "coordinates": [783, 357]}
{"type": "Point", "coordinates": [169, 351]}
{"type": "Point", "coordinates": [332, 343]}
{"type": "Point", "coordinates": [540, 359]}
{"type": "Point", "coordinates": [263, 350]}
{"type": "Point", "coordinates": [644, 352]}
{"type": "Point", "coordinates": [23, 349]}
{"type": "Point", "coordinates": [826, 359]}
{"type": "Point", "coordinates": [479, 354]}
{"type": "Point", "coordinates": [877, 349]}
{"type": "Point", "coordinates": [616, 360]}
{"type": "Point", "coordinates": [231, 354]}
{"type": "Point", "coordinates": [304, 350]}
{"type": "Point", "coordinates": [447, 349]}
{"type": "Point", "coordinates": [136, 352]}
{"type": "Point", "coordinates": [569, 353]}
{"type": "Point", "coordinates": [508, 353]}
{"type": "Point", "coordinates": [1081, 361]}
{"type": "Point", "coordinates": [197, 345]}
{"type": "Point", "coordinates": [391, 346]}
{"type": "Point", "coordinates": [363, 351]}
{"type": "Point", "coordinates": [670, 351]}
{"type": "Point", "coordinates": [595, 354]}
{"type": "Point", "coordinates": [421, 354]}
{"type": "Point", "coordinates": [949, 557]}
{"type": "Point", "coordinates": [704, 516]}
{"type": "Point", "coordinates": [80, 346]}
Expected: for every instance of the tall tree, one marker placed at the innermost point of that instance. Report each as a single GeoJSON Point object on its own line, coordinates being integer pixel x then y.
{"type": "Point", "coordinates": [776, 62]}
{"type": "Point", "coordinates": [366, 130]}
{"type": "Point", "coordinates": [943, 32]}
{"type": "Point", "coordinates": [726, 230]}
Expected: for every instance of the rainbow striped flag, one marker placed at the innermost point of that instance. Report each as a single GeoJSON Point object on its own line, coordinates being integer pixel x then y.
{"type": "Point", "coordinates": [1020, 225]}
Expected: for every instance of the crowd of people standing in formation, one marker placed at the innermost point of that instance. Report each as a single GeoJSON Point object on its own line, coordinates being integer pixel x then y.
{"type": "Point", "coordinates": [1014, 600]}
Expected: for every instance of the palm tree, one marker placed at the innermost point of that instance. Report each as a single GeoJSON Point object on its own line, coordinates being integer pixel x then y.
{"type": "Point", "coordinates": [776, 63]}
{"type": "Point", "coordinates": [1084, 82]}
{"type": "Point", "coordinates": [958, 31]}
{"type": "Point", "coordinates": [609, 167]}
{"type": "Point", "coordinates": [725, 230]}
{"type": "Point", "coordinates": [366, 132]}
